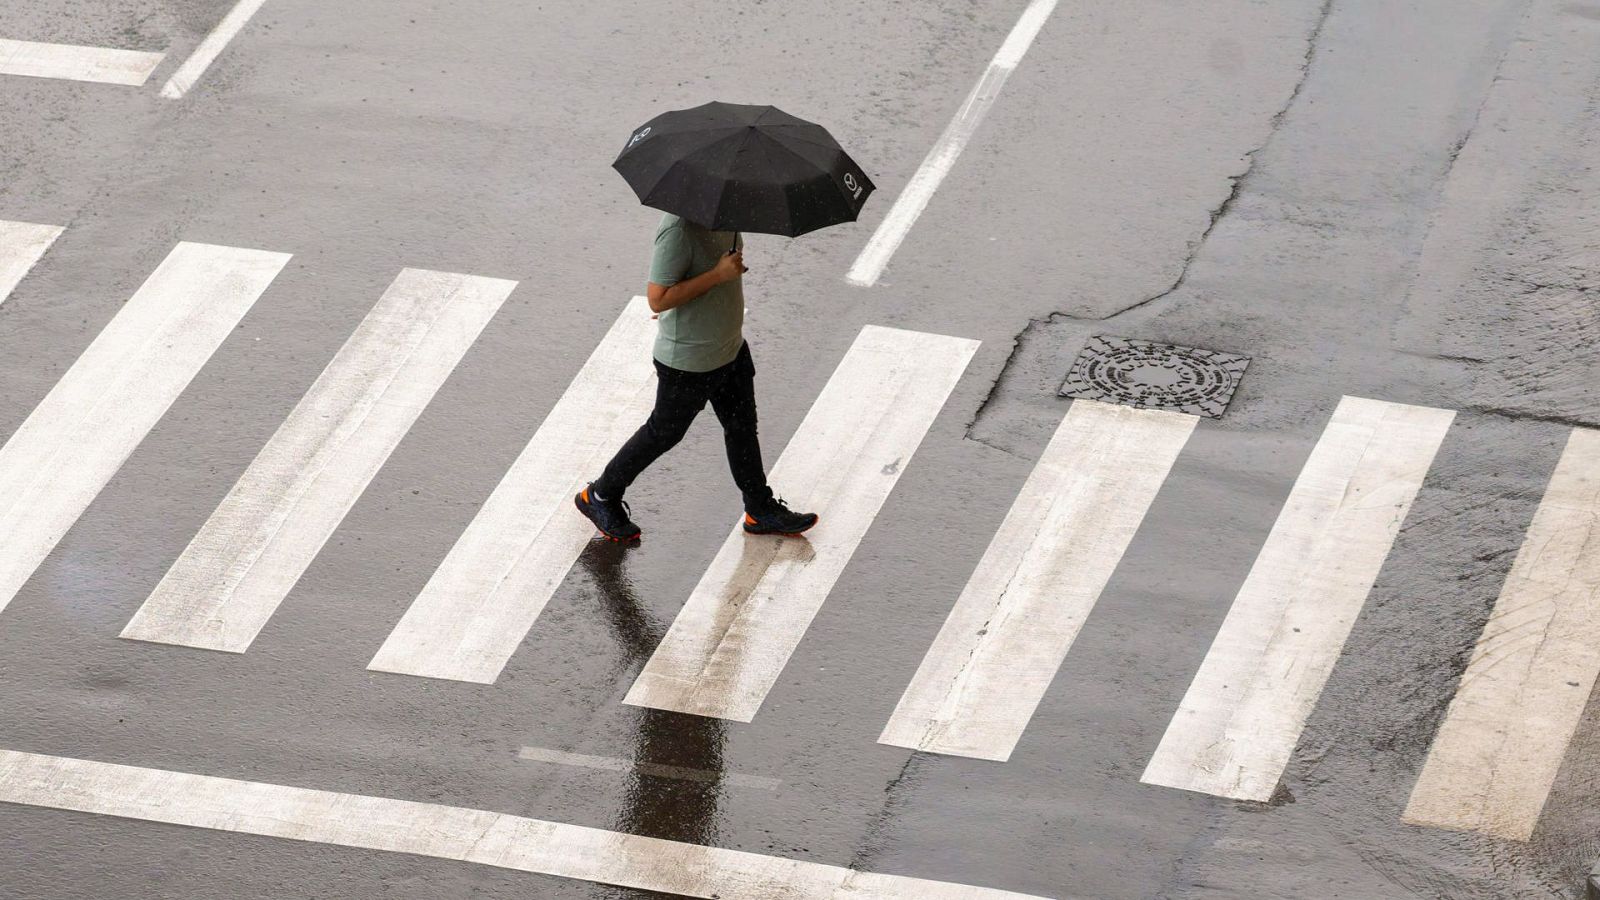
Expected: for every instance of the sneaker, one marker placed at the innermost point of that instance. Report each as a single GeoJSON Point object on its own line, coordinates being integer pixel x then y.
{"type": "Point", "coordinates": [776, 518]}
{"type": "Point", "coordinates": [610, 516]}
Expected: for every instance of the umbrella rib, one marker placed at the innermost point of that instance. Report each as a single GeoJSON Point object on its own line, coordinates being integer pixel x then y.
{"type": "Point", "coordinates": [774, 143]}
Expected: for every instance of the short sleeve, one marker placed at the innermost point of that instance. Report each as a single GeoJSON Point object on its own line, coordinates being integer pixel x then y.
{"type": "Point", "coordinates": [673, 255]}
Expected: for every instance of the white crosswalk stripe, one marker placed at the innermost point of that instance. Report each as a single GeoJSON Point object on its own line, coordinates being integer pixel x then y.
{"type": "Point", "coordinates": [1018, 615]}
{"type": "Point", "coordinates": [1243, 714]}
{"type": "Point", "coordinates": [1525, 689]}
{"type": "Point", "coordinates": [481, 602]}
{"type": "Point", "coordinates": [22, 244]}
{"type": "Point", "coordinates": [231, 578]}
{"type": "Point", "coordinates": [446, 832]}
{"type": "Point", "coordinates": [91, 421]}
{"type": "Point", "coordinates": [750, 610]}
{"type": "Point", "coordinates": [183, 80]}
{"type": "Point", "coordinates": [74, 63]}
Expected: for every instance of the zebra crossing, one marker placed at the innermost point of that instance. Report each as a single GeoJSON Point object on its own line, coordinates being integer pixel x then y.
{"type": "Point", "coordinates": [221, 591]}
{"type": "Point", "coordinates": [481, 602]}
{"type": "Point", "coordinates": [68, 448]}
{"type": "Point", "coordinates": [1242, 716]}
{"type": "Point", "coordinates": [1010, 628]}
{"type": "Point", "coordinates": [727, 647]}
{"type": "Point", "coordinates": [1531, 674]}
{"type": "Point", "coordinates": [1018, 615]}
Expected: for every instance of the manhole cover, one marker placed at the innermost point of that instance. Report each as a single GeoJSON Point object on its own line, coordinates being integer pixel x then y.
{"type": "Point", "coordinates": [1148, 375]}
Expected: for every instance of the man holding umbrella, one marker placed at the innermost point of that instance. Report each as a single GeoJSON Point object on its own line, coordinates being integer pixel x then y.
{"type": "Point", "coordinates": [718, 169]}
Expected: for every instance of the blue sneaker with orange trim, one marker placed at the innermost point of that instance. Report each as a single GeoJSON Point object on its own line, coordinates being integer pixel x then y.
{"type": "Point", "coordinates": [609, 516]}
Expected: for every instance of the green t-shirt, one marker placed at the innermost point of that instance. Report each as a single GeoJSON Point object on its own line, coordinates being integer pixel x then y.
{"type": "Point", "coordinates": [707, 332]}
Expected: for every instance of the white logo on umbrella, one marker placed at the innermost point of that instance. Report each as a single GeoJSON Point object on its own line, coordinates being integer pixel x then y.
{"type": "Point", "coordinates": [643, 133]}
{"type": "Point", "coordinates": [852, 186]}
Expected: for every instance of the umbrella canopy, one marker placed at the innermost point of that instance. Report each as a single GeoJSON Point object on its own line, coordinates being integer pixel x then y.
{"type": "Point", "coordinates": [733, 167]}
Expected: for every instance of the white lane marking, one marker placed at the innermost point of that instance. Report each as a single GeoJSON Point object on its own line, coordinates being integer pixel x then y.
{"type": "Point", "coordinates": [942, 157]}
{"type": "Point", "coordinates": [209, 49]}
{"type": "Point", "coordinates": [272, 524]}
{"type": "Point", "coordinates": [445, 832]}
{"type": "Point", "coordinates": [22, 244]}
{"type": "Point", "coordinates": [91, 421]}
{"type": "Point", "coordinates": [1525, 689]}
{"type": "Point", "coordinates": [1025, 603]}
{"type": "Point", "coordinates": [751, 608]}
{"type": "Point", "coordinates": [103, 65]}
{"type": "Point", "coordinates": [1239, 723]}
{"type": "Point", "coordinates": [480, 603]}
{"type": "Point", "coordinates": [654, 770]}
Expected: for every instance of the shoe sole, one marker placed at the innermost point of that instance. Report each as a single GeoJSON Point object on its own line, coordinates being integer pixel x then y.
{"type": "Point", "coordinates": [613, 538]}
{"type": "Point", "coordinates": [759, 531]}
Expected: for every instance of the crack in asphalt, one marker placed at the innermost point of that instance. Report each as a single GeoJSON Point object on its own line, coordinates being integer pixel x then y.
{"type": "Point", "coordinates": [1217, 213]}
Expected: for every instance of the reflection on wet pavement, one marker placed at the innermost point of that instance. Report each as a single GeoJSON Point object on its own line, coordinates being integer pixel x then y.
{"type": "Point", "coordinates": [658, 804]}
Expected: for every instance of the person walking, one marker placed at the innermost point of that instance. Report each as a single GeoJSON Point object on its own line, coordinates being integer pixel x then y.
{"type": "Point", "coordinates": [696, 290]}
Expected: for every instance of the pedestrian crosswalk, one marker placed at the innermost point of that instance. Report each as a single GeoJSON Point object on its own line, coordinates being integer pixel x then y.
{"type": "Point", "coordinates": [1242, 716]}
{"type": "Point", "coordinates": [480, 603]}
{"type": "Point", "coordinates": [253, 549]}
{"type": "Point", "coordinates": [726, 648]}
{"type": "Point", "coordinates": [79, 435]}
{"type": "Point", "coordinates": [1009, 628]}
{"type": "Point", "coordinates": [1043, 572]}
{"type": "Point", "coordinates": [1525, 689]}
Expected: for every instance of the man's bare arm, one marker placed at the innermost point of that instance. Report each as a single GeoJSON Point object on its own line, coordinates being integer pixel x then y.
{"type": "Point", "coordinates": [661, 298]}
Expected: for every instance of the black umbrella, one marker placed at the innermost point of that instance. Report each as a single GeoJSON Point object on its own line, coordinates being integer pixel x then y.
{"type": "Point", "coordinates": [732, 167]}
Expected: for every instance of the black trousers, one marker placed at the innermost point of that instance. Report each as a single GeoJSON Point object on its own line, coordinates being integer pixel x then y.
{"type": "Point", "coordinates": [680, 395]}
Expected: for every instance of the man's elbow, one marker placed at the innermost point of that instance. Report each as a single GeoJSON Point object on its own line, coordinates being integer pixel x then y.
{"type": "Point", "coordinates": [656, 296]}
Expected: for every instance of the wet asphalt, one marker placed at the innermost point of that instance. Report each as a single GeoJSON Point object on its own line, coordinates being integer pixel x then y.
{"type": "Point", "coordinates": [1367, 198]}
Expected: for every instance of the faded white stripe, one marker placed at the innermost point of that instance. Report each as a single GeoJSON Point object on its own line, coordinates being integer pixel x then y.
{"type": "Point", "coordinates": [73, 63]}
{"type": "Point", "coordinates": [483, 599]}
{"type": "Point", "coordinates": [22, 244]}
{"type": "Point", "coordinates": [941, 159]}
{"type": "Point", "coordinates": [209, 49]}
{"type": "Point", "coordinates": [750, 610]}
{"type": "Point", "coordinates": [446, 832]}
{"type": "Point", "coordinates": [1240, 721]}
{"type": "Point", "coordinates": [1025, 603]}
{"type": "Point", "coordinates": [91, 421]}
{"type": "Point", "coordinates": [653, 770]}
{"type": "Point", "coordinates": [256, 545]}
{"type": "Point", "coordinates": [1525, 689]}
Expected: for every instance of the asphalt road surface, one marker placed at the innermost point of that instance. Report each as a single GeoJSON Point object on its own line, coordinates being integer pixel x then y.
{"type": "Point", "coordinates": [310, 327]}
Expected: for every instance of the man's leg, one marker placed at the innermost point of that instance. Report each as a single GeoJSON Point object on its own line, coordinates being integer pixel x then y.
{"type": "Point", "coordinates": [734, 400]}
{"type": "Point", "coordinates": [679, 398]}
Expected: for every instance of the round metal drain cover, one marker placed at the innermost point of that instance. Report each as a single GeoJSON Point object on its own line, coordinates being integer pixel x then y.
{"type": "Point", "coordinates": [1148, 375]}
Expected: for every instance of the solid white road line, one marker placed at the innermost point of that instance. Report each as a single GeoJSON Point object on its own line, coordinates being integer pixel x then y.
{"type": "Point", "coordinates": [1240, 721]}
{"type": "Point", "coordinates": [654, 770]}
{"type": "Point", "coordinates": [230, 580]}
{"type": "Point", "coordinates": [1019, 614]}
{"type": "Point", "coordinates": [91, 421]}
{"type": "Point", "coordinates": [209, 49]}
{"type": "Point", "coordinates": [751, 608]}
{"type": "Point", "coordinates": [919, 190]}
{"type": "Point", "coordinates": [480, 603]}
{"type": "Point", "coordinates": [1525, 689]}
{"type": "Point", "coordinates": [445, 832]}
{"type": "Point", "coordinates": [21, 246]}
{"type": "Point", "coordinates": [74, 63]}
